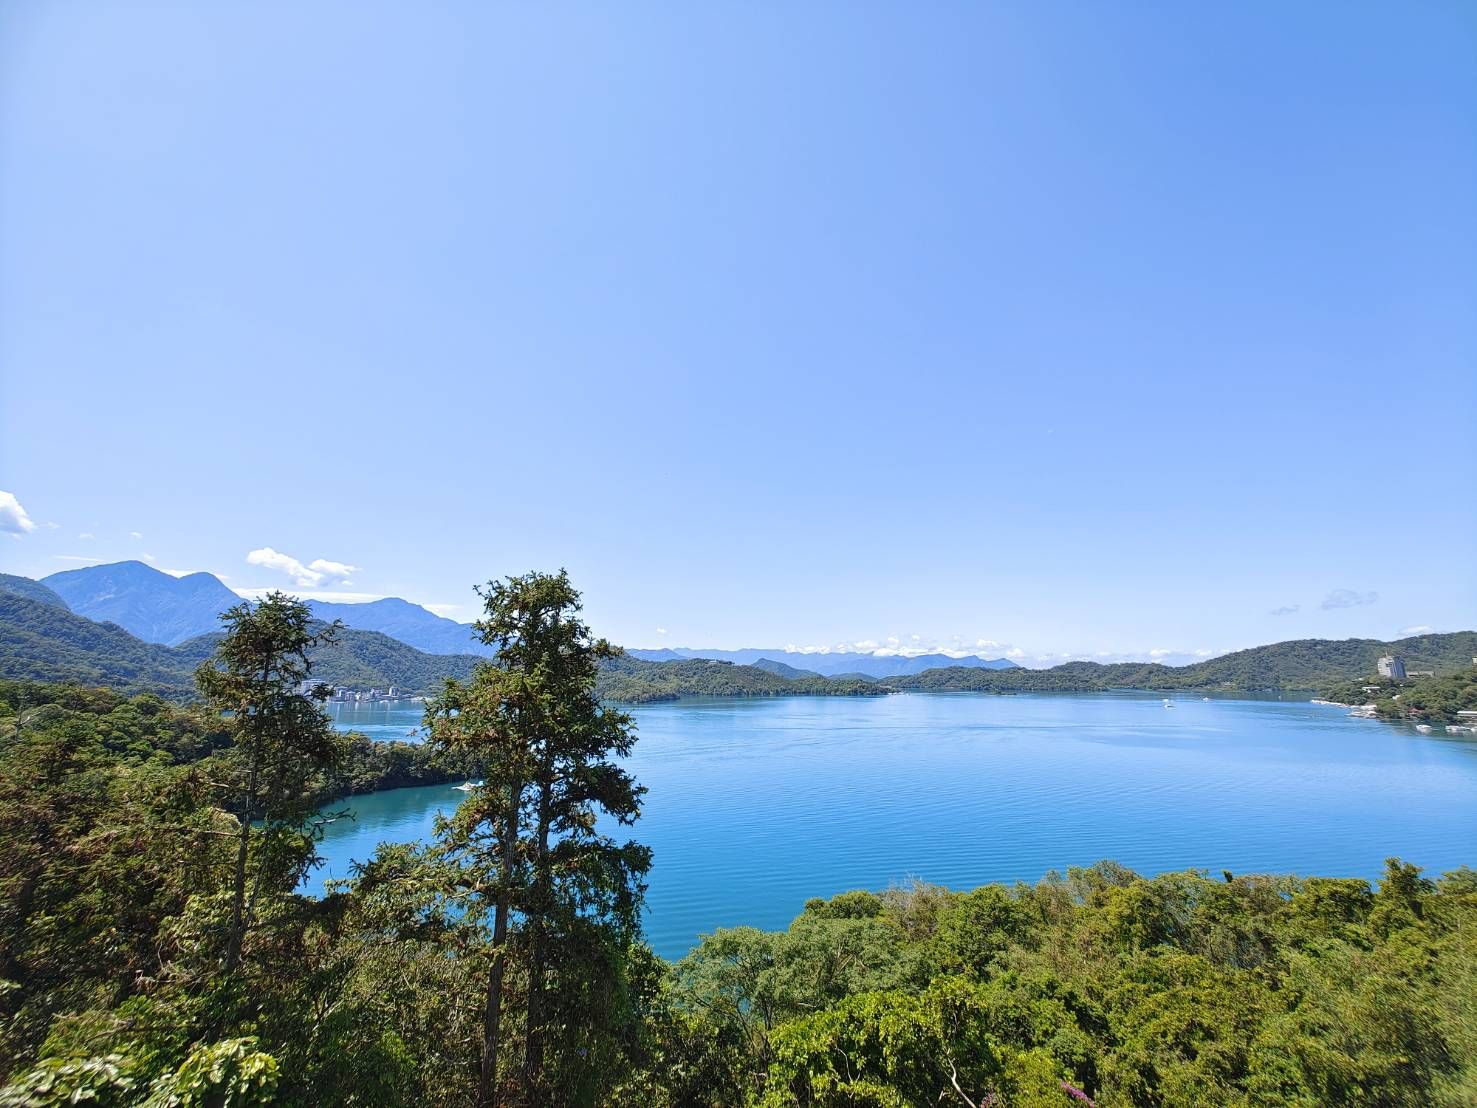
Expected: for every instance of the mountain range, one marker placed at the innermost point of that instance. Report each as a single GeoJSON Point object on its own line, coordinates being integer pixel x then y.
{"type": "Point", "coordinates": [158, 607]}
{"type": "Point", "coordinates": [43, 639]}
{"type": "Point", "coordinates": [161, 608]}
{"type": "Point", "coordinates": [155, 606]}
{"type": "Point", "coordinates": [829, 664]}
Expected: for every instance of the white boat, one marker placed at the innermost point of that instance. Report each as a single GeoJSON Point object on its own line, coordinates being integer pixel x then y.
{"type": "Point", "coordinates": [467, 786]}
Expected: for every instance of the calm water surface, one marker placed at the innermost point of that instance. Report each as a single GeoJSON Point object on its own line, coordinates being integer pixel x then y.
{"type": "Point", "coordinates": [756, 805]}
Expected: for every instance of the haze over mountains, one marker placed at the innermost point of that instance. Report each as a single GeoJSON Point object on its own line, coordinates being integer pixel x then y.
{"type": "Point", "coordinates": [153, 605]}
{"type": "Point", "coordinates": [831, 663]}
{"type": "Point", "coordinates": [43, 639]}
{"type": "Point", "coordinates": [160, 608]}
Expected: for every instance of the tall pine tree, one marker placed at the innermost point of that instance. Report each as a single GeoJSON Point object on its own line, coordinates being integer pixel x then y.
{"type": "Point", "coordinates": [540, 873]}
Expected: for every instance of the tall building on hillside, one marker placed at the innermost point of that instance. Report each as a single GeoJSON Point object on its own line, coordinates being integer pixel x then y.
{"type": "Point", "coordinates": [1393, 666]}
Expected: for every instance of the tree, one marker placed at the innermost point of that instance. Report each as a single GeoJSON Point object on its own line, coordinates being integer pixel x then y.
{"type": "Point", "coordinates": [526, 841]}
{"type": "Point", "coordinates": [282, 738]}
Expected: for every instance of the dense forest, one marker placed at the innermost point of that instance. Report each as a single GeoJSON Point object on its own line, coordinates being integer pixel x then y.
{"type": "Point", "coordinates": [153, 947]}
{"type": "Point", "coordinates": [1430, 700]}
{"type": "Point", "coordinates": [43, 640]}
{"type": "Point", "coordinates": [632, 681]}
{"type": "Point", "coordinates": [1299, 665]}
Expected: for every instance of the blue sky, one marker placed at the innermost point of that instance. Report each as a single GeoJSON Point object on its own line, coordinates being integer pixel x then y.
{"type": "Point", "coordinates": [1052, 328]}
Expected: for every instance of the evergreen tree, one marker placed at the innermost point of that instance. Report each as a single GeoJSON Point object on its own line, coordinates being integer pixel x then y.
{"type": "Point", "coordinates": [526, 842]}
{"type": "Point", "coordinates": [281, 740]}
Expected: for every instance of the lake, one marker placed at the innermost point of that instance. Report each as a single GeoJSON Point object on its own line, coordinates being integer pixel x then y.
{"type": "Point", "coordinates": [756, 805]}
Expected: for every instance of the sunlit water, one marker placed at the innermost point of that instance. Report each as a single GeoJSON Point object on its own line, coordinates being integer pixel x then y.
{"type": "Point", "coordinates": [756, 805]}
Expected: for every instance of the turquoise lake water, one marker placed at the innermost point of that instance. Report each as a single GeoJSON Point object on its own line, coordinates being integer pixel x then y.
{"type": "Point", "coordinates": [756, 805]}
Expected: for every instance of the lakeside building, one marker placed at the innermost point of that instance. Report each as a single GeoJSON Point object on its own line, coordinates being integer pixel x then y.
{"type": "Point", "coordinates": [342, 694]}
{"type": "Point", "coordinates": [1392, 666]}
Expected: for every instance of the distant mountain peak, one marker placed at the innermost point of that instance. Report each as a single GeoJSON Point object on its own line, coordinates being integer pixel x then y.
{"type": "Point", "coordinates": [156, 606]}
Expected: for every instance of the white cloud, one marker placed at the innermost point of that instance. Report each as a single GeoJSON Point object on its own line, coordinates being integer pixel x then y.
{"type": "Point", "coordinates": [447, 610]}
{"type": "Point", "coordinates": [661, 630]}
{"type": "Point", "coordinates": [53, 526]}
{"type": "Point", "coordinates": [1348, 598]}
{"type": "Point", "coordinates": [332, 569]}
{"type": "Point", "coordinates": [1285, 610]}
{"type": "Point", "coordinates": [1015, 652]}
{"type": "Point", "coordinates": [307, 576]}
{"type": "Point", "coordinates": [87, 536]}
{"type": "Point", "coordinates": [83, 558]}
{"type": "Point", "coordinates": [13, 518]}
{"type": "Point", "coordinates": [148, 557]}
{"type": "Point", "coordinates": [135, 534]}
{"type": "Point", "coordinates": [894, 647]}
{"type": "Point", "coordinates": [1419, 629]}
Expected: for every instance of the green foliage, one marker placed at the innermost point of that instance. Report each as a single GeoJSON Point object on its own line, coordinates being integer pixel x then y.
{"type": "Point", "coordinates": [1434, 700]}
{"type": "Point", "coordinates": [31, 590]}
{"type": "Point", "coordinates": [118, 867]}
{"type": "Point", "coordinates": [526, 843]}
{"type": "Point", "coordinates": [633, 681]}
{"type": "Point", "coordinates": [1302, 664]}
{"type": "Point", "coordinates": [281, 744]}
{"type": "Point", "coordinates": [40, 641]}
{"type": "Point", "coordinates": [228, 1074]}
{"type": "Point", "coordinates": [366, 659]}
{"type": "Point", "coordinates": [1175, 991]}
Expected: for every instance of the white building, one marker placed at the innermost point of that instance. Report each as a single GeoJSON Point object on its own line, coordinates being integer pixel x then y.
{"type": "Point", "coordinates": [1392, 666]}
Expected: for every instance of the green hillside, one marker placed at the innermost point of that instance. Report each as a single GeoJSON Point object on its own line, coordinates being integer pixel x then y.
{"type": "Point", "coordinates": [363, 660]}
{"type": "Point", "coordinates": [40, 641]}
{"type": "Point", "coordinates": [633, 681]}
{"type": "Point", "coordinates": [780, 669]}
{"type": "Point", "coordinates": [1297, 665]}
{"type": "Point", "coordinates": [31, 590]}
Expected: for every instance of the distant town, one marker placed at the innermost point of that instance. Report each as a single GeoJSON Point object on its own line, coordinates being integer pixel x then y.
{"type": "Point", "coordinates": [342, 694]}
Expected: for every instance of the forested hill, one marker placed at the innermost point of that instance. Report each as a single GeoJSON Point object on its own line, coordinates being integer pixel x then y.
{"type": "Point", "coordinates": [32, 590]}
{"type": "Point", "coordinates": [633, 681]}
{"type": "Point", "coordinates": [43, 641]}
{"type": "Point", "coordinates": [1301, 664]}
{"type": "Point", "coordinates": [364, 660]}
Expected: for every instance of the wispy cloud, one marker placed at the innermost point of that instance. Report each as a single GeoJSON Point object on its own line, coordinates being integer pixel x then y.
{"type": "Point", "coordinates": [661, 630]}
{"type": "Point", "coordinates": [450, 611]}
{"type": "Point", "coordinates": [83, 558]}
{"type": "Point", "coordinates": [1419, 629]}
{"type": "Point", "coordinates": [308, 576]}
{"type": "Point", "coordinates": [135, 534]}
{"type": "Point", "coordinates": [895, 646]}
{"type": "Point", "coordinates": [13, 518]}
{"type": "Point", "coordinates": [1285, 610]}
{"type": "Point", "coordinates": [87, 536]}
{"type": "Point", "coordinates": [1348, 598]}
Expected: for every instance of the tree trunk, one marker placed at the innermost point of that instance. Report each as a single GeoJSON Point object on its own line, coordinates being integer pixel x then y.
{"type": "Point", "coordinates": [492, 1014]}
{"type": "Point", "coordinates": [533, 1058]}
{"type": "Point", "coordinates": [238, 892]}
